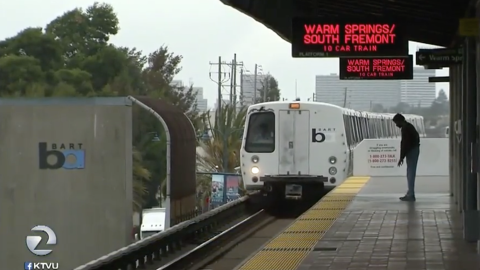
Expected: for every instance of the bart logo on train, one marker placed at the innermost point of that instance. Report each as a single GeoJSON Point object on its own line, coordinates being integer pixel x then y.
{"type": "Point", "coordinates": [318, 134]}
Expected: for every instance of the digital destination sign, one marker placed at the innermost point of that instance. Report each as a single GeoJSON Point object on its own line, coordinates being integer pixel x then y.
{"type": "Point", "coordinates": [377, 68]}
{"type": "Point", "coordinates": [328, 37]}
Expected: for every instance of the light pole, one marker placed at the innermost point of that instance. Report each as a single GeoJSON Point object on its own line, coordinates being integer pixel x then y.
{"type": "Point", "coordinates": [155, 138]}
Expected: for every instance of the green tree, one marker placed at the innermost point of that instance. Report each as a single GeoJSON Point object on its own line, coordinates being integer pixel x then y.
{"type": "Point", "coordinates": [34, 43]}
{"type": "Point", "coordinates": [19, 72]}
{"type": "Point", "coordinates": [269, 85]}
{"type": "Point", "coordinates": [83, 32]}
{"type": "Point", "coordinates": [440, 107]}
{"type": "Point", "coordinates": [378, 108]}
{"type": "Point", "coordinates": [401, 107]}
{"type": "Point", "coordinates": [73, 57]}
{"type": "Point", "coordinates": [141, 178]}
{"type": "Point", "coordinates": [225, 135]}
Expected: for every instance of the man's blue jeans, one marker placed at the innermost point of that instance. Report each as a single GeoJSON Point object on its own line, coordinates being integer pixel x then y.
{"type": "Point", "coordinates": [412, 161]}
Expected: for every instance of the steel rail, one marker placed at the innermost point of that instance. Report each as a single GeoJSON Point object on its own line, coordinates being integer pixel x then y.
{"type": "Point", "coordinates": [192, 258]}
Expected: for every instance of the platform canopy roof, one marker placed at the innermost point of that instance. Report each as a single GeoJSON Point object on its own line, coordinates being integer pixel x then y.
{"type": "Point", "coordinates": [427, 21]}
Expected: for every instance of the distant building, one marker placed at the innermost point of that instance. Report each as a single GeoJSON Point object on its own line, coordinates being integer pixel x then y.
{"type": "Point", "coordinates": [248, 88]}
{"type": "Point", "coordinates": [202, 103]}
{"type": "Point", "coordinates": [356, 94]}
{"type": "Point", "coordinates": [418, 92]}
{"type": "Point", "coordinates": [363, 95]}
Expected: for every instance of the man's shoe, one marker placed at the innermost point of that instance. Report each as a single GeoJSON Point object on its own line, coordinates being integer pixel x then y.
{"type": "Point", "coordinates": [407, 198]}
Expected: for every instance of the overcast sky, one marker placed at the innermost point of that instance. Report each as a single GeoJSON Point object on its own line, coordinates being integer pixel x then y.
{"type": "Point", "coordinates": [200, 30]}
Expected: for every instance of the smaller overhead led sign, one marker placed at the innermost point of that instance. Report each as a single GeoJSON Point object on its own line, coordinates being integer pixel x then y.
{"type": "Point", "coordinates": [377, 68]}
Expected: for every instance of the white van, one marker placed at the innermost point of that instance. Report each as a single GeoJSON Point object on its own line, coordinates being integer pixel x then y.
{"type": "Point", "coordinates": [153, 222]}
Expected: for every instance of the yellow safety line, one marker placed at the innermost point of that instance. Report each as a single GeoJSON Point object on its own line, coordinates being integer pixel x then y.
{"type": "Point", "coordinates": [289, 249]}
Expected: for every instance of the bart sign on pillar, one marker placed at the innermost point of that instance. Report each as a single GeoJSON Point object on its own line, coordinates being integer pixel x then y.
{"type": "Point", "coordinates": [54, 156]}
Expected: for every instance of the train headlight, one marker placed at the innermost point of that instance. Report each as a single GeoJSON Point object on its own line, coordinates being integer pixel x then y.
{"type": "Point", "coordinates": [332, 160]}
{"type": "Point", "coordinates": [255, 170]}
{"type": "Point", "coordinates": [332, 171]}
{"type": "Point", "coordinates": [255, 159]}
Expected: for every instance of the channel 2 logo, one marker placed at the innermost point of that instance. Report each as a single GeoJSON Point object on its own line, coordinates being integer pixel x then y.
{"type": "Point", "coordinates": [33, 241]}
{"type": "Point", "coordinates": [32, 244]}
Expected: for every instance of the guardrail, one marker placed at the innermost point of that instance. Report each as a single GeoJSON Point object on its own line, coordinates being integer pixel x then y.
{"type": "Point", "coordinates": [154, 248]}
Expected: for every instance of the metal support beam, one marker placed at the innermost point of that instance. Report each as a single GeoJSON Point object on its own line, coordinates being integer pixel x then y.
{"type": "Point", "coordinates": [458, 137]}
{"type": "Point", "coordinates": [451, 134]}
{"type": "Point", "coordinates": [477, 126]}
{"type": "Point", "coordinates": [439, 79]}
{"type": "Point", "coordinates": [470, 214]}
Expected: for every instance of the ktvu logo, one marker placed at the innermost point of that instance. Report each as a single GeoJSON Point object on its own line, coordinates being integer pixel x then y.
{"type": "Point", "coordinates": [67, 156]}
{"type": "Point", "coordinates": [32, 243]}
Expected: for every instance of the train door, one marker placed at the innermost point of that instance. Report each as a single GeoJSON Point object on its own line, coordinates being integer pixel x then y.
{"type": "Point", "coordinates": [302, 142]}
{"type": "Point", "coordinates": [293, 142]}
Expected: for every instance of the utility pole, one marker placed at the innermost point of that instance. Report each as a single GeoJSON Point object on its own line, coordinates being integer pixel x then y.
{"type": "Point", "coordinates": [345, 98]}
{"type": "Point", "coordinates": [223, 77]}
{"type": "Point", "coordinates": [232, 83]}
{"type": "Point", "coordinates": [234, 79]}
{"type": "Point", "coordinates": [265, 88]}
{"type": "Point", "coordinates": [220, 80]}
{"type": "Point", "coordinates": [255, 85]}
{"type": "Point", "coordinates": [241, 87]}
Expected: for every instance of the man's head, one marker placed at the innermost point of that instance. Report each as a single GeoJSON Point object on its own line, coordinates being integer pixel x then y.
{"type": "Point", "coordinates": [399, 120]}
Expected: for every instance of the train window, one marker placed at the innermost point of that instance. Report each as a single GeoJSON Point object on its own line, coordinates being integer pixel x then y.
{"type": "Point", "coordinates": [261, 133]}
{"type": "Point", "coordinates": [358, 128]}
{"type": "Point", "coordinates": [348, 133]}
{"type": "Point", "coordinates": [390, 129]}
{"type": "Point", "coordinates": [365, 127]}
{"type": "Point", "coordinates": [371, 125]}
{"type": "Point", "coordinates": [382, 128]}
{"type": "Point", "coordinates": [354, 130]}
{"type": "Point", "coordinates": [362, 130]}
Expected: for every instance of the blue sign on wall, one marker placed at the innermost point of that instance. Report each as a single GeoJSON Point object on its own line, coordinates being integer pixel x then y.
{"type": "Point", "coordinates": [224, 188]}
{"type": "Point", "coordinates": [67, 155]}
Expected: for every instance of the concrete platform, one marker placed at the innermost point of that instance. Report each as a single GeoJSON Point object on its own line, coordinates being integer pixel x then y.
{"type": "Point", "coordinates": [377, 231]}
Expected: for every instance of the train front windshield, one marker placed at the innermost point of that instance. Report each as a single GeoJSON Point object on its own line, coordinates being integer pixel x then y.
{"type": "Point", "coordinates": [261, 133]}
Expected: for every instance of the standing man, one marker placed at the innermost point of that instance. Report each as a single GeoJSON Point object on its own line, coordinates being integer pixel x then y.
{"type": "Point", "coordinates": [410, 149]}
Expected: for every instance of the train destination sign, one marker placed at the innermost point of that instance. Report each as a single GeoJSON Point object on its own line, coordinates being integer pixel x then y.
{"type": "Point", "coordinates": [333, 37]}
{"type": "Point", "coordinates": [377, 68]}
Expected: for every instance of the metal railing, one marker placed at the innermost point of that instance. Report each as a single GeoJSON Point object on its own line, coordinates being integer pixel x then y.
{"type": "Point", "coordinates": [163, 244]}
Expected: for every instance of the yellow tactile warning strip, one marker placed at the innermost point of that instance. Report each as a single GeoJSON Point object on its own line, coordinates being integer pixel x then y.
{"type": "Point", "coordinates": [288, 249]}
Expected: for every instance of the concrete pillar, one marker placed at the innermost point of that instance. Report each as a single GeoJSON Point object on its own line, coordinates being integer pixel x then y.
{"type": "Point", "coordinates": [458, 137]}
{"type": "Point", "coordinates": [451, 139]}
{"type": "Point", "coordinates": [469, 128]}
{"type": "Point", "coordinates": [477, 79]}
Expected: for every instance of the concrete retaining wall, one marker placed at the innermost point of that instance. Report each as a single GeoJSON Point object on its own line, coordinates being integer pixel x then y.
{"type": "Point", "coordinates": [81, 203]}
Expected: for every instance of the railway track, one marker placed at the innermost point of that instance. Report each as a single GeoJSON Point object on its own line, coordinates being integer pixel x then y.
{"type": "Point", "coordinates": [230, 248]}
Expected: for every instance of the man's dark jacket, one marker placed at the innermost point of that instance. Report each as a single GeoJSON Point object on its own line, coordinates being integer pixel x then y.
{"type": "Point", "coordinates": [410, 139]}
